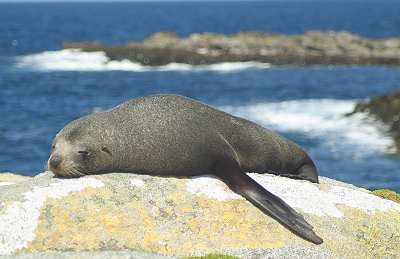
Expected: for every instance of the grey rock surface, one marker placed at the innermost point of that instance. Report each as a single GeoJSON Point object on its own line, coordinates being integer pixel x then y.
{"type": "Point", "coordinates": [194, 216]}
{"type": "Point", "coordinates": [85, 255]}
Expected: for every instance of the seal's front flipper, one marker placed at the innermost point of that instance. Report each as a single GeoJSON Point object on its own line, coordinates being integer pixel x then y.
{"type": "Point", "coordinates": [306, 172]}
{"type": "Point", "coordinates": [267, 202]}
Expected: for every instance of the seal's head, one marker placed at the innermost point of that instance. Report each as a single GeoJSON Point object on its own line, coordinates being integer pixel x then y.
{"type": "Point", "coordinates": [79, 150]}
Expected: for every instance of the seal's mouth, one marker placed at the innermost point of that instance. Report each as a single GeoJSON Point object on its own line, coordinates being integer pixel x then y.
{"type": "Point", "coordinates": [64, 167]}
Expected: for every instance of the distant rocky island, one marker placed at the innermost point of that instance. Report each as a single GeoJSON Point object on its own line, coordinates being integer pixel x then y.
{"type": "Point", "coordinates": [312, 48]}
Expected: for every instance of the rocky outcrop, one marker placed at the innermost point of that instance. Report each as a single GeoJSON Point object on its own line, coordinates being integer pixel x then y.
{"type": "Point", "coordinates": [9, 178]}
{"type": "Point", "coordinates": [191, 216]}
{"type": "Point", "coordinates": [385, 109]}
{"type": "Point", "coordinates": [86, 255]}
{"type": "Point", "coordinates": [311, 48]}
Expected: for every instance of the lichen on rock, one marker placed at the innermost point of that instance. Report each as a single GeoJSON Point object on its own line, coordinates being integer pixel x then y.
{"type": "Point", "coordinates": [191, 217]}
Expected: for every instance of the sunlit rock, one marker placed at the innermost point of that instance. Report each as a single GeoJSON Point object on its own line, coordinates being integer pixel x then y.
{"type": "Point", "coordinates": [192, 216]}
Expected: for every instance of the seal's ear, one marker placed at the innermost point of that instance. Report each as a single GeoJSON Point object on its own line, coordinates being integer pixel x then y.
{"type": "Point", "coordinates": [104, 148]}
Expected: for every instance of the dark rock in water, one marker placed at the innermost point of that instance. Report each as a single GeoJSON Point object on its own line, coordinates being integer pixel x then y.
{"type": "Point", "coordinates": [386, 109]}
{"type": "Point", "coordinates": [311, 48]}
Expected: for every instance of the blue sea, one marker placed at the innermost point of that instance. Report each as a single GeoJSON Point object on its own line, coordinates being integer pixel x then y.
{"type": "Point", "coordinates": [43, 88]}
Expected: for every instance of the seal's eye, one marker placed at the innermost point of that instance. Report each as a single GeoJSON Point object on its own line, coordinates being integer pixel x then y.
{"type": "Point", "coordinates": [84, 152]}
{"type": "Point", "coordinates": [105, 149]}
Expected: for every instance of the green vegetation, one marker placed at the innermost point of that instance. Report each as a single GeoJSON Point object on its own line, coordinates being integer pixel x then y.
{"type": "Point", "coordinates": [386, 194]}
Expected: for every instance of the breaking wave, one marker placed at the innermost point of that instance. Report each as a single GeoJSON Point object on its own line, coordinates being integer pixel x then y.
{"type": "Point", "coordinates": [77, 60]}
{"type": "Point", "coordinates": [354, 137]}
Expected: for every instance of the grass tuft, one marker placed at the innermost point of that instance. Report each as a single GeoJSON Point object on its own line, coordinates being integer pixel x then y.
{"type": "Point", "coordinates": [386, 194]}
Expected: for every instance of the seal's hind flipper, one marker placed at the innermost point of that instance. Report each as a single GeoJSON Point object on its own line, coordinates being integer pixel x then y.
{"type": "Point", "coordinates": [267, 202]}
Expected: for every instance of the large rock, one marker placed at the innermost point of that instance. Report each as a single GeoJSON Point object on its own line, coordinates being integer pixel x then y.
{"type": "Point", "coordinates": [191, 216]}
{"type": "Point", "coordinates": [9, 178]}
{"type": "Point", "coordinates": [86, 255]}
{"type": "Point", "coordinates": [311, 48]}
{"type": "Point", "coordinates": [386, 109]}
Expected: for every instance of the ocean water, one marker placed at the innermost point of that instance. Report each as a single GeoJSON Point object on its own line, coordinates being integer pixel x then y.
{"type": "Point", "coordinates": [43, 88]}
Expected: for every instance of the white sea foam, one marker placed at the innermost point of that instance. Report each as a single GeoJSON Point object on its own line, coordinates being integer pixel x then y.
{"type": "Point", "coordinates": [63, 60]}
{"type": "Point", "coordinates": [77, 60]}
{"type": "Point", "coordinates": [352, 137]}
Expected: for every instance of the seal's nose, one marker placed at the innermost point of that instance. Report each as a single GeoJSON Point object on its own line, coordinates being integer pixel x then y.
{"type": "Point", "coordinates": [54, 162]}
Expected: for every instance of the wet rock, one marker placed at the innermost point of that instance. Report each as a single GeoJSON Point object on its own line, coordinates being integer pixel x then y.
{"type": "Point", "coordinates": [311, 48]}
{"type": "Point", "coordinates": [386, 109]}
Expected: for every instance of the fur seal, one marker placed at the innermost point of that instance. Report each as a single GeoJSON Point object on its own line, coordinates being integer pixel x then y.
{"type": "Point", "coordinates": [173, 135]}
